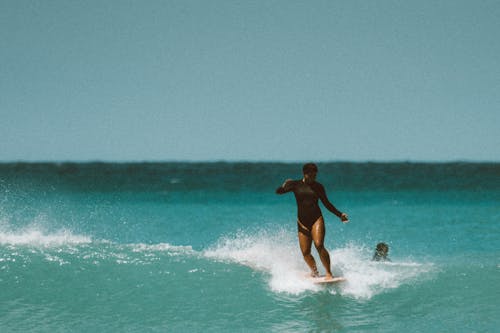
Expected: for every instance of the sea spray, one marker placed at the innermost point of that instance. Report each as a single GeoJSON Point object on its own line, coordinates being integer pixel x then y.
{"type": "Point", "coordinates": [277, 255]}
{"type": "Point", "coordinates": [274, 253]}
{"type": "Point", "coordinates": [367, 278]}
{"type": "Point", "coordinates": [33, 236]}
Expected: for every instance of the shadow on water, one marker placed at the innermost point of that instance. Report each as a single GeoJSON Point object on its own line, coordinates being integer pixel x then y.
{"type": "Point", "coordinates": [328, 311]}
{"type": "Point", "coordinates": [311, 313]}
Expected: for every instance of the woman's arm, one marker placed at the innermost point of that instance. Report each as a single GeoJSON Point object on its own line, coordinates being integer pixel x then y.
{"type": "Point", "coordinates": [286, 187]}
{"type": "Point", "coordinates": [324, 199]}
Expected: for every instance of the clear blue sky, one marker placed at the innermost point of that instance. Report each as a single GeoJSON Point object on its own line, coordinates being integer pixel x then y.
{"type": "Point", "coordinates": [249, 80]}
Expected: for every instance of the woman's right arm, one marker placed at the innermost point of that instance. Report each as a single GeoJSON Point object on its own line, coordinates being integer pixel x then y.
{"type": "Point", "coordinates": [286, 187]}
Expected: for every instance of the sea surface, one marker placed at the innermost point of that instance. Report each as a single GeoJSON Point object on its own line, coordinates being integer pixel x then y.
{"type": "Point", "coordinates": [209, 247]}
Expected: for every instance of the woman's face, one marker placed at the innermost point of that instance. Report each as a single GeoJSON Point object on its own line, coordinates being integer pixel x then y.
{"type": "Point", "coordinates": [310, 176]}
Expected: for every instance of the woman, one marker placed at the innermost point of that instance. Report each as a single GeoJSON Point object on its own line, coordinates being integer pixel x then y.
{"type": "Point", "coordinates": [310, 223]}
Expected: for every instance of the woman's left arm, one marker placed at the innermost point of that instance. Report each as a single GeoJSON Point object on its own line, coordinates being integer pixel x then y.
{"type": "Point", "coordinates": [324, 199]}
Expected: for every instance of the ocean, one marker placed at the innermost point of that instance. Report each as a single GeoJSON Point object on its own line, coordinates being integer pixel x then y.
{"type": "Point", "coordinates": [209, 247]}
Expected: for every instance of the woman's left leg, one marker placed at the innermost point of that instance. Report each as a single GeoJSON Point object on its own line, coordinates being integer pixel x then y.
{"type": "Point", "coordinates": [318, 236]}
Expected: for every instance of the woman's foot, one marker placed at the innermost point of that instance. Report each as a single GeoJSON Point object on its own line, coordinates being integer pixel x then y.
{"type": "Point", "coordinates": [314, 274]}
{"type": "Point", "coordinates": [329, 276]}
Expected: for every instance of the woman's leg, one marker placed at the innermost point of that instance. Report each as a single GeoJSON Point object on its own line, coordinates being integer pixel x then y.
{"type": "Point", "coordinates": [305, 242]}
{"type": "Point", "coordinates": [318, 236]}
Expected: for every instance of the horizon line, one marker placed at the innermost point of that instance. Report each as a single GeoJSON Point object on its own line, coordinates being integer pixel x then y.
{"type": "Point", "coordinates": [248, 161]}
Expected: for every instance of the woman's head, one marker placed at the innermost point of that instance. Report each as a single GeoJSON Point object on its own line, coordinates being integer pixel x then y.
{"type": "Point", "coordinates": [309, 170]}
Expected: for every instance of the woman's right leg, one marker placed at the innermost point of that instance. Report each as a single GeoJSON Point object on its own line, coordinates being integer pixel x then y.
{"type": "Point", "coordinates": [305, 242]}
{"type": "Point", "coordinates": [318, 235]}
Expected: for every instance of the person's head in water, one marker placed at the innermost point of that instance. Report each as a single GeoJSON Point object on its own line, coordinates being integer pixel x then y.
{"type": "Point", "coordinates": [310, 170]}
{"type": "Point", "coordinates": [381, 252]}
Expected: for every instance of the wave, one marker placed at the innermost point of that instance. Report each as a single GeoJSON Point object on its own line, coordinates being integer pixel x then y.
{"type": "Point", "coordinates": [66, 247]}
{"type": "Point", "coordinates": [277, 255]}
{"type": "Point", "coordinates": [274, 253]}
{"type": "Point", "coordinates": [35, 237]}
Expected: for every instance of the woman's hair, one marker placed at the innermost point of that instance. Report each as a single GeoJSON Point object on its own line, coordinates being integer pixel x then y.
{"type": "Point", "coordinates": [309, 167]}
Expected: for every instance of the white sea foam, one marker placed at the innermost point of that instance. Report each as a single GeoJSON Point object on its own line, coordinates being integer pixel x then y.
{"type": "Point", "coordinates": [367, 278]}
{"type": "Point", "coordinates": [277, 255]}
{"type": "Point", "coordinates": [37, 234]}
{"type": "Point", "coordinates": [53, 242]}
{"type": "Point", "coordinates": [36, 237]}
{"type": "Point", "coordinates": [162, 247]}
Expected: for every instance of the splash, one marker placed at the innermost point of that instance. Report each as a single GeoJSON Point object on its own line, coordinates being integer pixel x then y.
{"type": "Point", "coordinates": [277, 255]}
{"type": "Point", "coordinates": [64, 247]}
{"type": "Point", "coordinates": [37, 234]}
{"type": "Point", "coordinates": [33, 236]}
{"type": "Point", "coordinates": [368, 278]}
{"type": "Point", "coordinates": [274, 253]}
{"type": "Point", "coordinates": [172, 250]}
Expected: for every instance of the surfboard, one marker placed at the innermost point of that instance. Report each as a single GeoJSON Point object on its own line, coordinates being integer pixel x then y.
{"type": "Point", "coordinates": [322, 280]}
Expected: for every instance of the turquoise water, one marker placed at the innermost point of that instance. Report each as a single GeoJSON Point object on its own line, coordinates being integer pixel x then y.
{"type": "Point", "coordinates": [209, 247]}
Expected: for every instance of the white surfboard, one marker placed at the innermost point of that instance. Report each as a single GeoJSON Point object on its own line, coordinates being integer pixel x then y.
{"type": "Point", "coordinates": [323, 280]}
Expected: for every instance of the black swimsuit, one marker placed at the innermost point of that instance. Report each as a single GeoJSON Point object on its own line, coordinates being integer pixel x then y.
{"type": "Point", "coordinates": [307, 196]}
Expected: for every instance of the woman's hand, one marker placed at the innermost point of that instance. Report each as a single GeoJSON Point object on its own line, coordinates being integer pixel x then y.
{"type": "Point", "coordinates": [344, 218]}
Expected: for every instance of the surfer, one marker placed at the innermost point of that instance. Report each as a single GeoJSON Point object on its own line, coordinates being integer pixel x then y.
{"type": "Point", "coordinates": [310, 223]}
{"type": "Point", "coordinates": [381, 252]}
